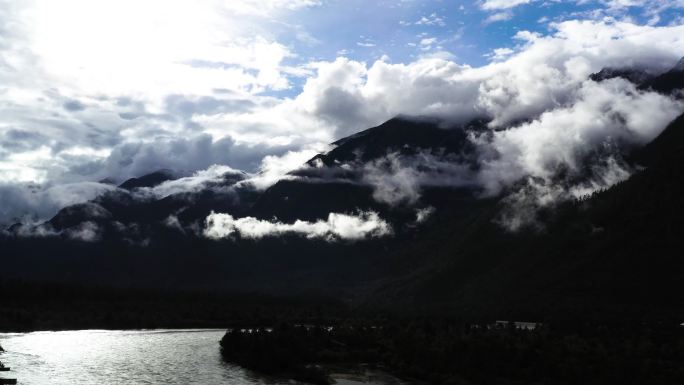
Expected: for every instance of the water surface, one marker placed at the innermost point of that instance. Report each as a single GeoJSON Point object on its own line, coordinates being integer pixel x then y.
{"type": "Point", "coordinates": [101, 357]}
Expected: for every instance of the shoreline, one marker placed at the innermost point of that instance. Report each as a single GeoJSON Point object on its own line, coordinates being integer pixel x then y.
{"type": "Point", "coordinates": [171, 329]}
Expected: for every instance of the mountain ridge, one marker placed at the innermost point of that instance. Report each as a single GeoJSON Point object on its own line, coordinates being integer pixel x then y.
{"type": "Point", "coordinates": [447, 250]}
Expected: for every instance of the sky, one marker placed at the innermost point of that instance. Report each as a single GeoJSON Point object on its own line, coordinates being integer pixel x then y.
{"type": "Point", "coordinates": [94, 90]}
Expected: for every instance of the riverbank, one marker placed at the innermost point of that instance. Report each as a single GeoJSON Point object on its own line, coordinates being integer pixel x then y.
{"type": "Point", "coordinates": [436, 348]}
{"type": "Point", "coordinates": [439, 351]}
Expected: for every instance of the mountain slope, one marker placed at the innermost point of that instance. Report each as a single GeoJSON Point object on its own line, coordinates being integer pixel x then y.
{"type": "Point", "coordinates": [141, 239]}
{"type": "Point", "coordinates": [337, 181]}
{"type": "Point", "coordinates": [148, 180]}
{"type": "Point", "coordinates": [616, 253]}
{"type": "Point", "coordinates": [669, 82]}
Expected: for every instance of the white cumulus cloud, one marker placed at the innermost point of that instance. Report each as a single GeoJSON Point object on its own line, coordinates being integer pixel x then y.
{"type": "Point", "coordinates": [502, 4]}
{"type": "Point", "coordinates": [336, 227]}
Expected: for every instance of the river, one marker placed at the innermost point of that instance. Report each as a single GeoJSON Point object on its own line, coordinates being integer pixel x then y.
{"type": "Point", "coordinates": [151, 357]}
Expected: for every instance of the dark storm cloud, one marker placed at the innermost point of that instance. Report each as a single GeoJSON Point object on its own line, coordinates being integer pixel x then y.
{"type": "Point", "coordinates": [186, 106]}
{"type": "Point", "coordinates": [74, 105]}
{"type": "Point", "coordinates": [20, 140]}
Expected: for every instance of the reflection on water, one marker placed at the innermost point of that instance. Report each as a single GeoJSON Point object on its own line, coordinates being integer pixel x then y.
{"type": "Point", "coordinates": [360, 376]}
{"type": "Point", "coordinates": [101, 357]}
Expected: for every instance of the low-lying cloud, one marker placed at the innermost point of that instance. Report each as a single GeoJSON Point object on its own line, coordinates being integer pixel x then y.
{"type": "Point", "coordinates": [200, 180]}
{"type": "Point", "coordinates": [87, 231]}
{"type": "Point", "coordinates": [30, 203]}
{"type": "Point", "coordinates": [337, 227]}
{"type": "Point", "coordinates": [609, 116]}
{"type": "Point", "coordinates": [398, 179]}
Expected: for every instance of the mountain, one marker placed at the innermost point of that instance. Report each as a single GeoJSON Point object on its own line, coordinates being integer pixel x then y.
{"type": "Point", "coordinates": [333, 182]}
{"type": "Point", "coordinates": [142, 235]}
{"type": "Point", "coordinates": [669, 82]}
{"type": "Point", "coordinates": [137, 203]}
{"type": "Point", "coordinates": [406, 135]}
{"type": "Point", "coordinates": [148, 180]}
{"type": "Point", "coordinates": [615, 252]}
{"type": "Point", "coordinates": [664, 149]}
{"type": "Point", "coordinates": [635, 76]}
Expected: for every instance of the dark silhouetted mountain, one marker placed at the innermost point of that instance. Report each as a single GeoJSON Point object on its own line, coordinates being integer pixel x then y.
{"type": "Point", "coordinates": [669, 82]}
{"type": "Point", "coordinates": [129, 208]}
{"type": "Point", "coordinates": [668, 145]}
{"type": "Point", "coordinates": [140, 244]}
{"type": "Point", "coordinates": [633, 75]}
{"type": "Point", "coordinates": [149, 180]}
{"type": "Point", "coordinates": [332, 182]}
{"type": "Point", "coordinates": [76, 214]}
{"type": "Point", "coordinates": [616, 252]}
{"type": "Point", "coordinates": [403, 135]}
